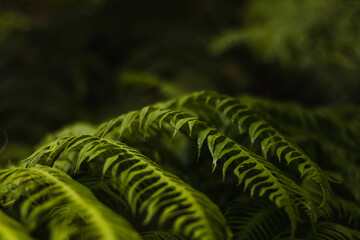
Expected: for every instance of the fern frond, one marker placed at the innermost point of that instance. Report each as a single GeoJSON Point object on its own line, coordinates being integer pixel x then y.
{"type": "Point", "coordinates": [326, 133]}
{"type": "Point", "coordinates": [350, 172]}
{"type": "Point", "coordinates": [346, 211]}
{"type": "Point", "coordinates": [255, 219]}
{"type": "Point", "coordinates": [53, 197]}
{"type": "Point", "coordinates": [146, 186]}
{"type": "Point", "coordinates": [163, 235]}
{"type": "Point", "coordinates": [10, 229]}
{"type": "Point", "coordinates": [259, 175]}
{"type": "Point", "coordinates": [343, 210]}
{"type": "Point", "coordinates": [331, 124]}
{"type": "Point", "coordinates": [324, 231]}
{"type": "Point", "coordinates": [242, 115]}
{"type": "Point", "coordinates": [331, 231]}
{"type": "Point", "coordinates": [103, 190]}
{"type": "Point", "coordinates": [262, 177]}
{"type": "Point", "coordinates": [289, 113]}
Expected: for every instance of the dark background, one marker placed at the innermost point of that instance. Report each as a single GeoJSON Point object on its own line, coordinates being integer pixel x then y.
{"type": "Point", "coordinates": [63, 61]}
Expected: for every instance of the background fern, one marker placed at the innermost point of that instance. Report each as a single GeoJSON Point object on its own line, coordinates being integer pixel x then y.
{"type": "Point", "coordinates": [84, 67]}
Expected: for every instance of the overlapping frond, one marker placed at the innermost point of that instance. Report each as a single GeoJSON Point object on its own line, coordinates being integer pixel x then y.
{"type": "Point", "coordinates": [328, 133]}
{"type": "Point", "coordinates": [333, 128]}
{"type": "Point", "coordinates": [109, 164]}
{"type": "Point", "coordinates": [242, 115]}
{"type": "Point", "coordinates": [259, 175]}
{"type": "Point", "coordinates": [255, 219]}
{"type": "Point", "coordinates": [289, 113]}
{"type": "Point", "coordinates": [319, 119]}
{"type": "Point", "coordinates": [346, 211]}
{"type": "Point", "coordinates": [324, 231]}
{"type": "Point", "coordinates": [332, 231]}
{"type": "Point", "coordinates": [146, 186]}
{"type": "Point", "coordinates": [338, 207]}
{"type": "Point", "coordinates": [10, 229]}
{"type": "Point", "coordinates": [54, 199]}
{"type": "Point", "coordinates": [254, 172]}
{"type": "Point", "coordinates": [163, 235]}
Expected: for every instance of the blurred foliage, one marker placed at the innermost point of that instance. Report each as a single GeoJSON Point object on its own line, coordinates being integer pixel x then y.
{"type": "Point", "coordinates": [316, 39]}
{"type": "Point", "coordinates": [66, 61]}
{"type": "Point", "coordinates": [302, 34]}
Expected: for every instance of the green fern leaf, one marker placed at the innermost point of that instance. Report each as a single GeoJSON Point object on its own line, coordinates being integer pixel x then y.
{"type": "Point", "coordinates": [147, 187]}
{"type": "Point", "coordinates": [332, 231]}
{"type": "Point", "coordinates": [67, 202]}
{"type": "Point", "coordinates": [255, 172]}
{"type": "Point", "coordinates": [243, 116]}
{"type": "Point", "coordinates": [163, 235]}
{"type": "Point", "coordinates": [10, 229]}
{"type": "Point", "coordinates": [255, 219]}
{"type": "Point", "coordinates": [324, 231]}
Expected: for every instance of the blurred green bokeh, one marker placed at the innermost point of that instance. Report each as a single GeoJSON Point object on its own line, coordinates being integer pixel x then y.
{"type": "Point", "coordinates": [66, 61]}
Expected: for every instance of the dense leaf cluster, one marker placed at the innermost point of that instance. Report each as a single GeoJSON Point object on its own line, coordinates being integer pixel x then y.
{"type": "Point", "coordinates": [204, 166]}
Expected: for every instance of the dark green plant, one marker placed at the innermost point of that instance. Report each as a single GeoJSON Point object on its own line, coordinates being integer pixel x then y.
{"type": "Point", "coordinates": [299, 33]}
{"type": "Point", "coordinates": [203, 166]}
{"type": "Point", "coordinates": [316, 42]}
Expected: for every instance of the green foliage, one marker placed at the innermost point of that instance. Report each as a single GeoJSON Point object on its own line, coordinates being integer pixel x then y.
{"type": "Point", "coordinates": [254, 218]}
{"type": "Point", "coordinates": [204, 166]}
{"type": "Point", "coordinates": [144, 185]}
{"type": "Point", "coordinates": [64, 205]}
{"type": "Point", "coordinates": [12, 230]}
{"type": "Point", "coordinates": [69, 61]}
{"type": "Point", "coordinates": [294, 33]}
{"type": "Point", "coordinates": [314, 44]}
